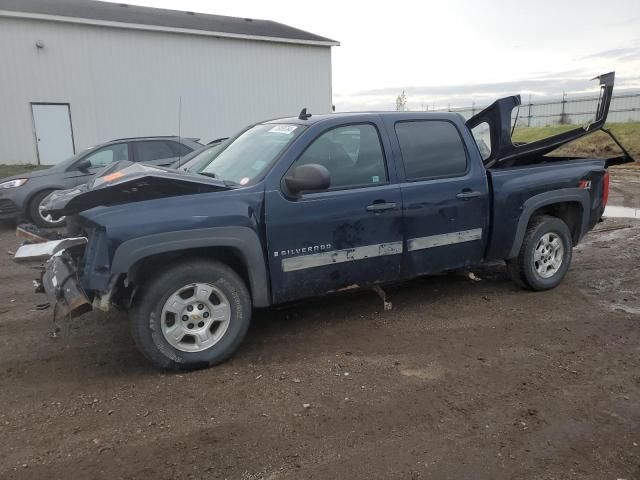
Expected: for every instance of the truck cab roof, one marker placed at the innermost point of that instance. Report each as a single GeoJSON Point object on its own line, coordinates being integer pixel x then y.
{"type": "Point", "coordinates": [325, 117]}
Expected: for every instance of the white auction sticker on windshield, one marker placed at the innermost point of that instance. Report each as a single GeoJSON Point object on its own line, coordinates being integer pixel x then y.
{"type": "Point", "coordinates": [286, 129]}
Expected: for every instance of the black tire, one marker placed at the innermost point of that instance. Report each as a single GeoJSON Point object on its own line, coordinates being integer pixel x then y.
{"type": "Point", "coordinates": [145, 316]}
{"type": "Point", "coordinates": [522, 268]}
{"type": "Point", "coordinates": [34, 214]}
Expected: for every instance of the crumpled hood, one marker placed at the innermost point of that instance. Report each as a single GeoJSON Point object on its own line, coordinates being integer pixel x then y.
{"type": "Point", "coordinates": [128, 182]}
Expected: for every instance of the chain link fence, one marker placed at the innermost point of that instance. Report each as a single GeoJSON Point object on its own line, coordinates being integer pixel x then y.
{"type": "Point", "coordinates": [625, 107]}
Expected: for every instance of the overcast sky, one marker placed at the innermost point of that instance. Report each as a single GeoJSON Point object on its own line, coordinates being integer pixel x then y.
{"type": "Point", "coordinates": [454, 52]}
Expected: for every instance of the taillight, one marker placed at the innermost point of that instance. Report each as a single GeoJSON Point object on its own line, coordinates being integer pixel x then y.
{"type": "Point", "coordinates": [605, 189]}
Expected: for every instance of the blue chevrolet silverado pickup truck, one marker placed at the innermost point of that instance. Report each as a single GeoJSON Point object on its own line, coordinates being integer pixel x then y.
{"type": "Point", "coordinates": [305, 206]}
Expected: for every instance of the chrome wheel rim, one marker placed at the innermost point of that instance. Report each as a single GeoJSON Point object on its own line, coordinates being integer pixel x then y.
{"type": "Point", "coordinates": [48, 218]}
{"type": "Point", "coordinates": [195, 317]}
{"type": "Point", "coordinates": [548, 255]}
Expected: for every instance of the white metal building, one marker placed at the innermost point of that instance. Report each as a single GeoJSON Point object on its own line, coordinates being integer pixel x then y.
{"type": "Point", "coordinates": [74, 73]}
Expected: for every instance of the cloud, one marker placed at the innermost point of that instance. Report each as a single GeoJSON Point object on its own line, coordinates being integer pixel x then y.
{"type": "Point", "coordinates": [627, 21]}
{"type": "Point", "coordinates": [615, 54]}
{"type": "Point", "coordinates": [576, 73]}
{"type": "Point", "coordinates": [574, 82]}
{"type": "Point", "coordinates": [540, 84]}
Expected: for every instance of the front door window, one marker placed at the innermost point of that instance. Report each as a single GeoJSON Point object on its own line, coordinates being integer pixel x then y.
{"type": "Point", "coordinates": [106, 155]}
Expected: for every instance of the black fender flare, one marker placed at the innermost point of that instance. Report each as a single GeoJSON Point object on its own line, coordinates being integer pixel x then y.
{"type": "Point", "coordinates": [564, 195]}
{"type": "Point", "coordinates": [242, 239]}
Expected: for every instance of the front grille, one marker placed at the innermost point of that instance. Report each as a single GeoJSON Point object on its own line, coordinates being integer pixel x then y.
{"type": "Point", "coordinates": [7, 206]}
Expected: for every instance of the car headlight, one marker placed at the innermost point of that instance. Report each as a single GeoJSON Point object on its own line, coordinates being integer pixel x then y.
{"type": "Point", "coordinates": [18, 182]}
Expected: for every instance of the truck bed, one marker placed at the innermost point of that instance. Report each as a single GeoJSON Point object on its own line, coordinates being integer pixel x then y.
{"type": "Point", "coordinates": [513, 187]}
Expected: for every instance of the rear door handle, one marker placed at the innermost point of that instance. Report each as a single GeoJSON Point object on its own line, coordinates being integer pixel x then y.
{"type": "Point", "coordinates": [381, 207]}
{"type": "Point", "coordinates": [466, 194]}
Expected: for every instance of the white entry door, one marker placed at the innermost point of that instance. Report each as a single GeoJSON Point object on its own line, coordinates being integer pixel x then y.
{"type": "Point", "coordinates": [54, 139]}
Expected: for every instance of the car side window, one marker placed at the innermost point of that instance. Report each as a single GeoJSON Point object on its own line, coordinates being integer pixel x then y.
{"type": "Point", "coordinates": [147, 151]}
{"type": "Point", "coordinates": [106, 155]}
{"type": "Point", "coordinates": [179, 149]}
{"type": "Point", "coordinates": [431, 149]}
{"type": "Point", "coordinates": [353, 155]}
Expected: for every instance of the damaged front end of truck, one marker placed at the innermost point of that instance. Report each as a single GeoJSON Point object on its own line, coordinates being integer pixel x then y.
{"type": "Point", "coordinates": [75, 272]}
{"type": "Point", "coordinates": [59, 276]}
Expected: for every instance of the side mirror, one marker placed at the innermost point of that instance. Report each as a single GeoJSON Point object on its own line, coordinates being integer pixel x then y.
{"type": "Point", "coordinates": [312, 177]}
{"type": "Point", "coordinates": [83, 165]}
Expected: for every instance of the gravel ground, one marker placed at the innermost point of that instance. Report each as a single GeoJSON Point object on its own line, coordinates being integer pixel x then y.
{"type": "Point", "coordinates": [461, 379]}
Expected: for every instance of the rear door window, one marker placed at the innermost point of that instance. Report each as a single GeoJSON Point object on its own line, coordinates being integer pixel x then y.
{"type": "Point", "coordinates": [431, 149]}
{"type": "Point", "coordinates": [150, 150]}
{"type": "Point", "coordinates": [179, 149]}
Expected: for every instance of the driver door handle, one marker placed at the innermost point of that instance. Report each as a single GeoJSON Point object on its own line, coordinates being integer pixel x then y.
{"type": "Point", "coordinates": [466, 194]}
{"type": "Point", "coordinates": [381, 207]}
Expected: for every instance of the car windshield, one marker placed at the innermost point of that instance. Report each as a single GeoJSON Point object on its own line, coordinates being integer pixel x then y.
{"type": "Point", "coordinates": [251, 153]}
{"type": "Point", "coordinates": [71, 160]}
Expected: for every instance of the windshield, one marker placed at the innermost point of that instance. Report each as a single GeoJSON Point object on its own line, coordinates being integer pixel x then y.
{"type": "Point", "coordinates": [251, 153]}
{"type": "Point", "coordinates": [69, 161]}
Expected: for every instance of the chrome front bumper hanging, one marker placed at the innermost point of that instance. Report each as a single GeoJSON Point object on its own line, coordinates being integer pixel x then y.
{"type": "Point", "coordinates": [59, 275]}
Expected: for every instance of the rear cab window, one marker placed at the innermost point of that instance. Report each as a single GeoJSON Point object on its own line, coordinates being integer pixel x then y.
{"type": "Point", "coordinates": [431, 149]}
{"type": "Point", "coordinates": [482, 135]}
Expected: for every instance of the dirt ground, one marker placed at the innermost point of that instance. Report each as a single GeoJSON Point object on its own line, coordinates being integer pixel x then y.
{"type": "Point", "coordinates": [461, 380]}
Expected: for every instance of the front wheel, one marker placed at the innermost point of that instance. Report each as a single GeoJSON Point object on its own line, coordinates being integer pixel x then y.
{"type": "Point", "coordinates": [38, 216]}
{"type": "Point", "coordinates": [194, 315]}
{"type": "Point", "coordinates": [545, 254]}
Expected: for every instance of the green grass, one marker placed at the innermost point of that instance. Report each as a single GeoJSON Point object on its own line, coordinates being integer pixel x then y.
{"type": "Point", "coordinates": [8, 170]}
{"type": "Point", "coordinates": [599, 144]}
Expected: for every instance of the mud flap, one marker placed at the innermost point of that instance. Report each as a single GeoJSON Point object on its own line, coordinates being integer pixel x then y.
{"type": "Point", "coordinates": [383, 296]}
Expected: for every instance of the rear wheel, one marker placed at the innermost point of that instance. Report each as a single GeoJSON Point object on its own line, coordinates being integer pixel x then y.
{"type": "Point", "coordinates": [545, 254]}
{"type": "Point", "coordinates": [36, 214]}
{"type": "Point", "coordinates": [194, 315]}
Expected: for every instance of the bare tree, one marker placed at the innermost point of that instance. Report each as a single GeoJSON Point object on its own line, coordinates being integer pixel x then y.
{"type": "Point", "coordinates": [401, 102]}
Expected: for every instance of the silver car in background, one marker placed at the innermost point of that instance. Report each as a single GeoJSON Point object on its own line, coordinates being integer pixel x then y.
{"type": "Point", "coordinates": [21, 195]}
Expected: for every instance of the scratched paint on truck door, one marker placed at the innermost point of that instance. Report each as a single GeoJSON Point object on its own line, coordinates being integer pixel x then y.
{"type": "Point", "coordinates": [446, 197]}
{"type": "Point", "coordinates": [351, 234]}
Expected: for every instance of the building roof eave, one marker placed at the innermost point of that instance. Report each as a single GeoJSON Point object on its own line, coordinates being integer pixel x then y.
{"type": "Point", "coordinates": [163, 28]}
